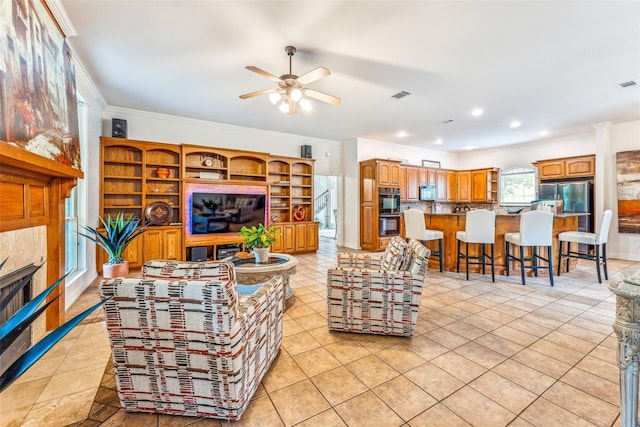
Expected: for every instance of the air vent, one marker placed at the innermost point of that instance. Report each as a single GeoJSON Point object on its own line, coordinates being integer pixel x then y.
{"type": "Point", "coordinates": [624, 85]}
{"type": "Point", "coordinates": [401, 94]}
{"type": "Point", "coordinates": [446, 122]}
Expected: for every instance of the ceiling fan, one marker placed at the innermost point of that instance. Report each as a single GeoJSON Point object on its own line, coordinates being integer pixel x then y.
{"type": "Point", "coordinates": [291, 89]}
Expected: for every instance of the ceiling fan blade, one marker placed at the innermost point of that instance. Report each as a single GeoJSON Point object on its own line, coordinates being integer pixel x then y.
{"type": "Point", "coordinates": [257, 93]}
{"type": "Point", "coordinates": [263, 73]}
{"type": "Point", "coordinates": [313, 75]}
{"type": "Point", "coordinates": [322, 96]}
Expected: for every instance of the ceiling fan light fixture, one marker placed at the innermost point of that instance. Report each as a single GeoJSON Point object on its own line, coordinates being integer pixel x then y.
{"type": "Point", "coordinates": [284, 107]}
{"type": "Point", "coordinates": [274, 97]}
{"type": "Point", "coordinates": [305, 104]}
{"type": "Point", "coordinates": [296, 94]}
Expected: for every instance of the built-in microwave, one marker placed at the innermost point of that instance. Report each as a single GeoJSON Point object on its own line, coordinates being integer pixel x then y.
{"type": "Point", "coordinates": [427, 192]}
{"type": "Point", "coordinates": [389, 201]}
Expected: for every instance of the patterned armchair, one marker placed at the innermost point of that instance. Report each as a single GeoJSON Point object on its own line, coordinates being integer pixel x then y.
{"type": "Point", "coordinates": [378, 293]}
{"type": "Point", "coordinates": [185, 343]}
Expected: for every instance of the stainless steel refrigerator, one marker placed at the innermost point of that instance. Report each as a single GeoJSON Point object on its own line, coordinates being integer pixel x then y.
{"type": "Point", "coordinates": [576, 196]}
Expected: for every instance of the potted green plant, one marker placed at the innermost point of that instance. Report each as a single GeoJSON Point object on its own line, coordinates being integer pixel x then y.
{"type": "Point", "coordinates": [119, 232]}
{"type": "Point", "coordinates": [259, 239]}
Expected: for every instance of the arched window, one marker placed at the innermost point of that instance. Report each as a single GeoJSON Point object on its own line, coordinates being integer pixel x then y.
{"type": "Point", "coordinates": [517, 186]}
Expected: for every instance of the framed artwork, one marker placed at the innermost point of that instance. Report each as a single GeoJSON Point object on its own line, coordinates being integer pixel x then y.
{"type": "Point", "coordinates": [431, 164]}
{"type": "Point", "coordinates": [628, 191]}
{"type": "Point", "coordinates": [39, 112]}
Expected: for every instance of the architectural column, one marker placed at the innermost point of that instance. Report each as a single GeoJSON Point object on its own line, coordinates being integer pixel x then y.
{"type": "Point", "coordinates": [627, 329]}
{"type": "Point", "coordinates": [603, 167]}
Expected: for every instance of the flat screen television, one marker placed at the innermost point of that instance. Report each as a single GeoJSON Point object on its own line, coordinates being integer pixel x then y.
{"type": "Point", "coordinates": [225, 211]}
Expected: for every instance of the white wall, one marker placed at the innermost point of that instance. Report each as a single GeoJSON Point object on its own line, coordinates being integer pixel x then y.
{"type": "Point", "coordinates": [371, 148]}
{"type": "Point", "coordinates": [155, 127]}
{"type": "Point", "coordinates": [623, 137]}
{"type": "Point", "coordinates": [88, 209]}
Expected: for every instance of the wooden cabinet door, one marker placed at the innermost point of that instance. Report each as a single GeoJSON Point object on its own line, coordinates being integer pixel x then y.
{"type": "Point", "coordinates": [368, 227]}
{"type": "Point", "coordinates": [312, 236]}
{"type": "Point", "coordinates": [278, 246]}
{"type": "Point", "coordinates": [452, 186]}
{"type": "Point", "coordinates": [411, 185]}
{"type": "Point", "coordinates": [441, 186]}
{"type": "Point", "coordinates": [288, 240]}
{"type": "Point", "coordinates": [551, 169]}
{"type": "Point", "coordinates": [394, 174]}
{"type": "Point", "coordinates": [403, 183]}
{"type": "Point", "coordinates": [479, 186]}
{"type": "Point", "coordinates": [580, 166]}
{"type": "Point", "coordinates": [423, 176]}
{"type": "Point", "coordinates": [464, 186]}
{"type": "Point", "coordinates": [384, 174]}
{"type": "Point", "coordinates": [172, 244]}
{"type": "Point", "coordinates": [152, 242]}
{"type": "Point", "coordinates": [431, 176]}
{"type": "Point", "coordinates": [301, 237]}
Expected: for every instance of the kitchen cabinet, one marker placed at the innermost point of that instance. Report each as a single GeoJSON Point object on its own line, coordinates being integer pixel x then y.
{"type": "Point", "coordinates": [567, 167]}
{"type": "Point", "coordinates": [409, 184]}
{"type": "Point", "coordinates": [388, 174]}
{"type": "Point", "coordinates": [452, 186]}
{"type": "Point", "coordinates": [484, 185]}
{"type": "Point", "coordinates": [441, 185]}
{"type": "Point", "coordinates": [464, 186]}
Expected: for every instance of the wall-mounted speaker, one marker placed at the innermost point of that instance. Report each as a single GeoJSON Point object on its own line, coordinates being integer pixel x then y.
{"type": "Point", "coordinates": [305, 151]}
{"type": "Point", "coordinates": [199, 253]}
{"type": "Point", "coordinates": [118, 128]}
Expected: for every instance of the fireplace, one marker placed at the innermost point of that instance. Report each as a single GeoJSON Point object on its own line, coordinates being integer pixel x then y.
{"type": "Point", "coordinates": [33, 190]}
{"type": "Point", "coordinates": [20, 284]}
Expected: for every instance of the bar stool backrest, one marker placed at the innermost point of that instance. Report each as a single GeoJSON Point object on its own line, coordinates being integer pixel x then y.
{"type": "Point", "coordinates": [536, 228]}
{"type": "Point", "coordinates": [480, 226]}
{"type": "Point", "coordinates": [603, 232]}
{"type": "Point", "coordinates": [414, 224]}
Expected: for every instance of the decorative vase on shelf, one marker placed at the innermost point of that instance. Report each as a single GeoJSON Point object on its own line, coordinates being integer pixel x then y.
{"type": "Point", "coordinates": [163, 173]}
{"type": "Point", "coordinates": [262, 255]}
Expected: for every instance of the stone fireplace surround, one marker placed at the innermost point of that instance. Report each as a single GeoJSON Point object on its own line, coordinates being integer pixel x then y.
{"type": "Point", "coordinates": [32, 195]}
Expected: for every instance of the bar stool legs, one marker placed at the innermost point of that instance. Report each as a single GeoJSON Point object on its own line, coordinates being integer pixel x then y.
{"type": "Point", "coordinates": [481, 259]}
{"type": "Point", "coordinates": [533, 259]}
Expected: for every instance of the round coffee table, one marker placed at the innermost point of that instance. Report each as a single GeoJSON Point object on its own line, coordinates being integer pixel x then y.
{"type": "Point", "coordinates": [248, 272]}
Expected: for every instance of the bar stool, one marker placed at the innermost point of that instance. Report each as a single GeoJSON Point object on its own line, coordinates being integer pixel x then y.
{"type": "Point", "coordinates": [480, 227]}
{"type": "Point", "coordinates": [536, 229]}
{"type": "Point", "coordinates": [598, 240]}
{"type": "Point", "coordinates": [415, 229]}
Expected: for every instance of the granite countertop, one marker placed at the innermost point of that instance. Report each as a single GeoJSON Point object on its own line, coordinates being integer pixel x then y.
{"type": "Point", "coordinates": [563, 215]}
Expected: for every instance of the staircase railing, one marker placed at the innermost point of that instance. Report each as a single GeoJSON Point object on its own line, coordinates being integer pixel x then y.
{"type": "Point", "coordinates": [320, 204]}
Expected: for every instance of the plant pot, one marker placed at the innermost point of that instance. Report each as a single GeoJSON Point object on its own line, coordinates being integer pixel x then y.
{"type": "Point", "coordinates": [109, 271]}
{"type": "Point", "coordinates": [262, 255]}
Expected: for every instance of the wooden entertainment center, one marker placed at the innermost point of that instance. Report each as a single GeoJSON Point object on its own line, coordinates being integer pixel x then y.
{"type": "Point", "coordinates": [135, 175]}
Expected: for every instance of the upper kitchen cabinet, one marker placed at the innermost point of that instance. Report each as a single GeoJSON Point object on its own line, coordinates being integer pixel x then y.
{"type": "Point", "coordinates": [567, 167]}
{"type": "Point", "coordinates": [409, 185]}
{"type": "Point", "coordinates": [464, 186]}
{"type": "Point", "coordinates": [484, 185]}
{"type": "Point", "coordinates": [388, 173]}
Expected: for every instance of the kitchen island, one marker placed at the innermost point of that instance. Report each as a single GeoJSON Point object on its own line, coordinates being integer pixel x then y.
{"type": "Point", "coordinates": [450, 223]}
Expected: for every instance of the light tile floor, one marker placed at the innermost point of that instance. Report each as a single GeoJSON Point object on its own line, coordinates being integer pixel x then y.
{"type": "Point", "coordinates": [484, 354]}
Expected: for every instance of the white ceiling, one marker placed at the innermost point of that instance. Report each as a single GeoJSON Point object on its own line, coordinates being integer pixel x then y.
{"type": "Point", "coordinates": [553, 65]}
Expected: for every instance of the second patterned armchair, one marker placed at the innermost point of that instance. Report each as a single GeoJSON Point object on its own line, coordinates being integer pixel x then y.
{"type": "Point", "coordinates": [378, 293]}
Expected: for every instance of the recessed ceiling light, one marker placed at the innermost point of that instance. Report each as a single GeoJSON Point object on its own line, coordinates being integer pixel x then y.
{"type": "Point", "coordinates": [438, 141]}
{"type": "Point", "coordinates": [544, 133]}
{"type": "Point", "coordinates": [477, 112]}
{"type": "Point", "coordinates": [515, 124]}
{"type": "Point", "coordinates": [401, 134]}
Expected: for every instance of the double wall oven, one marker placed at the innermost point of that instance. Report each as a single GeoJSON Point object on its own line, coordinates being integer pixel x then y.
{"type": "Point", "coordinates": [389, 212]}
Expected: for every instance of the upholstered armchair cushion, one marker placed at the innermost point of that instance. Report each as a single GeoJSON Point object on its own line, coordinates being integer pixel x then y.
{"type": "Point", "coordinates": [371, 300]}
{"type": "Point", "coordinates": [359, 260]}
{"type": "Point", "coordinates": [188, 270]}
{"type": "Point", "coordinates": [191, 347]}
{"type": "Point", "coordinates": [394, 254]}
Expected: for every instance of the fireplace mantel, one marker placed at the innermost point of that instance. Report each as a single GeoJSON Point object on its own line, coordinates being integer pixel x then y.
{"type": "Point", "coordinates": [33, 190]}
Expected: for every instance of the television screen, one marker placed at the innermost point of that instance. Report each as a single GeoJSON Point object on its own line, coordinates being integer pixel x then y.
{"type": "Point", "coordinates": [217, 212]}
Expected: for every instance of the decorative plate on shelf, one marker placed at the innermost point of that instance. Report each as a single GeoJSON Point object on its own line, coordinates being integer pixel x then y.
{"type": "Point", "coordinates": [157, 213]}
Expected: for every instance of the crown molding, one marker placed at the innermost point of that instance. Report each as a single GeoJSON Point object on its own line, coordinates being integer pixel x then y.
{"type": "Point", "coordinates": [60, 15]}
